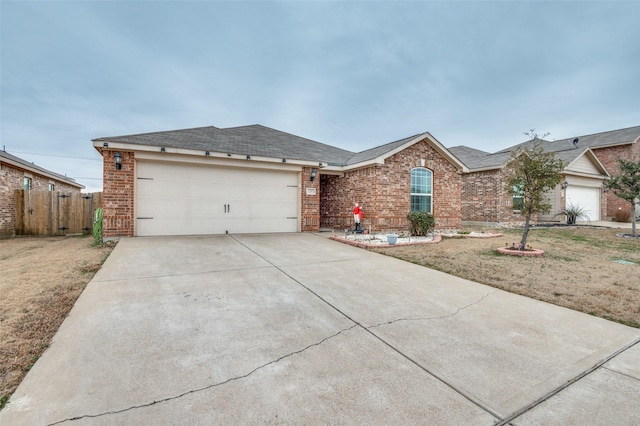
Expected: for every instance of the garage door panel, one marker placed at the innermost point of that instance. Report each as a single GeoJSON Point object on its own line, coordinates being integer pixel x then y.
{"type": "Point", "coordinates": [588, 198]}
{"type": "Point", "coordinates": [192, 199]}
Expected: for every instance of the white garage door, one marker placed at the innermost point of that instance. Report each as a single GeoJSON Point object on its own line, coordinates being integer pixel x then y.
{"type": "Point", "coordinates": [586, 198]}
{"type": "Point", "coordinates": [188, 199]}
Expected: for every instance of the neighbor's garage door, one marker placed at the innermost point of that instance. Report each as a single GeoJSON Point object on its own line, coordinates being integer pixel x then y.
{"type": "Point", "coordinates": [187, 199]}
{"type": "Point", "coordinates": [586, 198]}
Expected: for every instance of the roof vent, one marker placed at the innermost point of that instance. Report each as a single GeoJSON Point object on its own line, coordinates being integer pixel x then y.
{"type": "Point", "coordinates": [575, 142]}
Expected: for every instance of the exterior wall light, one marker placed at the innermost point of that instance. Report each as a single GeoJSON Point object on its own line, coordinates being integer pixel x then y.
{"type": "Point", "coordinates": [162, 150]}
{"type": "Point", "coordinates": [248, 157]}
{"type": "Point", "coordinates": [117, 157]}
{"type": "Point", "coordinates": [564, 185]}
{"type": "Point", "coordinates": [313, 174]}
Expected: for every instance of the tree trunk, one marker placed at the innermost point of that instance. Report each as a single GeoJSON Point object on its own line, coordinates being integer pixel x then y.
{"type": "Point", "coordinates": [525, 233]}
{"type": "Point", "coordinates": [633, 219]}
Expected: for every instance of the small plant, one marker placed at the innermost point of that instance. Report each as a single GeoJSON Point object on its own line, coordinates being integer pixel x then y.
{"type": "Point", "coordinates": [573, 213]}
{"type": "Point", "coordinates": [420, 223]}
{"type": "Point", "coordinates": [97, 227]}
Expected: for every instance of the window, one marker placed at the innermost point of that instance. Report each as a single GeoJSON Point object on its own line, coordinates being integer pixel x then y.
{"type": "Point", "coordinates": [421, 190]}
{"type": "Point", "coordinates": [26, 185]}
{"type": "Point", "coordinates": [518, 198]}
{"type": "Point", "coordinates": [52, 187]}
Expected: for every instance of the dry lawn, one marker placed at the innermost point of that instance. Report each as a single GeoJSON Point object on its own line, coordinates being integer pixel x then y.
{"type": "Point", "coordinates": [578, 270]}
{"type": "Point", "coordinates": [40, 280]}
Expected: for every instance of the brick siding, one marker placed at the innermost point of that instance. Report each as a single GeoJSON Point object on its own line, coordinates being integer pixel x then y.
{"type": "Point", "coordinates": [11, 179]}
{"type": "Point", "coordinates": [608, 157]}
{"type": "Point", "coordinates": [118, 195]}
{"type": "Point", "coordinates": [384, 192]}
{"type": "Point", "coordinates": [485, 199]}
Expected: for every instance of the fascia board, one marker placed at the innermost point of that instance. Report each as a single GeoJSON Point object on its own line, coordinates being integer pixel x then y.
{"type": "Point", "coordinates": [217, 161]}
{"type": "Point", "coordinates": [41, 172]}
{"type": "Point", "coordinates": [596, 160]}
{"type": "Point", "coordinates": [141, 150]}
{"type": "Point", "coordinates": [375, 162]}
{"type": "Point", "coordinates": [572, 173]}
{"type": "Point", "coordinates": [445, 152]}
{"type": "Point", "coordinates": [485, 169]}
{"type": "Point", "coordinates": [331, 172]}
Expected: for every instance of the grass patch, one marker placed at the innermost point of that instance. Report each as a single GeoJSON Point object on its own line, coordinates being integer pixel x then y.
{"type": "Point", "coordinates": [576, 272]}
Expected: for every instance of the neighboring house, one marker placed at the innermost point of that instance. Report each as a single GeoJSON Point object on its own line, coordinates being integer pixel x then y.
{"type": "Point", "coordinates": [588, 161]}
{"type": "Point", "coordinates": [486, 199]}
{"type": "Point", "coordinates": [16, 173]}
{"type": "Point", "coordinates": [608, 147]}
{"type": "Point", "coordinates": [254, 179]}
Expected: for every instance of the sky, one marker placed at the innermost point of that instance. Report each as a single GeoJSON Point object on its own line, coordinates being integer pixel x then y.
{"type": "Point", "coordinates": [354, 75]}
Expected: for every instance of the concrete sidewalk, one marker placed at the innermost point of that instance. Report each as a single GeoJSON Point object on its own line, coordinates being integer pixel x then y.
{"type": "Point", "coordinates": [296, 328]}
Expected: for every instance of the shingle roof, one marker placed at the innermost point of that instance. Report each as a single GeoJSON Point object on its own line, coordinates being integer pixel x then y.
{"type": "Point", "coordinates": [200, 138]}
{"type": "Point", "coordinates": [476, 159]}
{"type": "Point", "coordinates": [40, 170]}
{"type": "Point", "coordinates": [564, 148]}
{"type": "Point", "coordinates": [596, 140]}
{"type": "Point", "coordinates": [255, 140]}
{"type": "Point", "coordinates": [378, 151]}
{"type": "Point", "coordinates": [291, 146]}
{"type": "Point", "coordinates": [600, 140]}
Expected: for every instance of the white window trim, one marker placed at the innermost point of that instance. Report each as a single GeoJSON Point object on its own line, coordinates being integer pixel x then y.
{"type": "Point", "coordinates": [430, 195]}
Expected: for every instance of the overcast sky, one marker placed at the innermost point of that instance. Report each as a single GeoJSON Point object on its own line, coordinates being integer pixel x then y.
{"type": "Point", "coordinates": [350, 74]}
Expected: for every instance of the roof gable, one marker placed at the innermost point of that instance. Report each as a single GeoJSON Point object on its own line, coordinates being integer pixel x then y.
{"type": "Point", "coordinates": [380, 153]}
{"type": "Point", "coordinates": [585, 163]}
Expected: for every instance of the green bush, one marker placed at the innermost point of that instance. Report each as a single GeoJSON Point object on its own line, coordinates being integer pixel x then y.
{"type": "Point", "coordinates": [97, 227]}
{"type": "Point", "coordinates": [420, 223]}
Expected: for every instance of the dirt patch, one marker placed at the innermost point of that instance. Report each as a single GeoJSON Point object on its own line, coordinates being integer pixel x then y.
{"type": "Point", "coordinates": [41, 280]}
{"type": "Point", "coordinates": [579, 270]}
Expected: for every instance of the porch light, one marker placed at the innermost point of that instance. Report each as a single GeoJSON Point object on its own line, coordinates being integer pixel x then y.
{"type": "Point", "coordinates": [206, 153]}
{"type": "Point", "coordinates": [117, 157]}
{"type": "Point", "coordinates": [162, 150]}
{"type": "Point", "coordinates": [248, 157]}
{"type": "Point", "coordinates": [313, 174]}
{"type": "Point", "coordinates": [564, 185]}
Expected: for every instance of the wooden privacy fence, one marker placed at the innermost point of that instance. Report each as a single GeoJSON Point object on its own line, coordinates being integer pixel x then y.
{"type": "Point", "coordinates": [55, 213]}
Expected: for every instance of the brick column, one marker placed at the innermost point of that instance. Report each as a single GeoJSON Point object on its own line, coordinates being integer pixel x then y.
{"type": "Point", "coordinates": [310, 203]}
{"type": "Point", "coordinates": [118, 195]}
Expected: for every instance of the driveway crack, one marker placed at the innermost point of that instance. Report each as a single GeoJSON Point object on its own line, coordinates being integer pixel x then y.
{"type": "Point", "coordinates": [457, 311]}
{"type": "Point", "coordinates": [214, 385]}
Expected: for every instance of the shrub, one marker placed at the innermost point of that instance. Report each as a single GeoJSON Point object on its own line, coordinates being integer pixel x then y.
{"type": "Point", "coordinates": [623, 216]}
{"type": "Point", "coordinates": [420, 223]}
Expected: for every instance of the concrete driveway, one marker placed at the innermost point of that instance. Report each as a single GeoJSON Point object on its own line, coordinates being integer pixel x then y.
{"type": "Point", "coordinates": [299, 329]}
